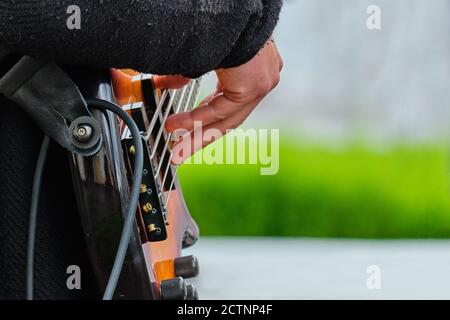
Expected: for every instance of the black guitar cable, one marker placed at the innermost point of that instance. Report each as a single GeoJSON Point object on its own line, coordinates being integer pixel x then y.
{"type": "Point", "coordinates": [130, 212]}
{"type": "Point", "coordinates": [36, 191]}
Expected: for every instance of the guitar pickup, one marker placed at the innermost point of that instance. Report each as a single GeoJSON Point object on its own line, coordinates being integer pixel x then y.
{"type": "Point", "coordinates": [137, 111]}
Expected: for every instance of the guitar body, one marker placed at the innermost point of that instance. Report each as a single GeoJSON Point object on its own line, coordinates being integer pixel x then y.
{"type": "Point", "coordinates": [154, 266]}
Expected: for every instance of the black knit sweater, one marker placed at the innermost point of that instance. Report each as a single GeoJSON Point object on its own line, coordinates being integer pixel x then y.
{"type": "Point", "coordinates": [156, 36]}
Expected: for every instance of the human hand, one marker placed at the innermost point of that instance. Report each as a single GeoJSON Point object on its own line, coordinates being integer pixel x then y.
{"type": "Point", "coordinates": [239, 90]}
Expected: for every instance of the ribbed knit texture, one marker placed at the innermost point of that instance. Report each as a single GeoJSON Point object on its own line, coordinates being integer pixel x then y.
{"type": "Point", "coordinates": [59, 240]}
{"type": "Point", "coordinates": [157, 36]}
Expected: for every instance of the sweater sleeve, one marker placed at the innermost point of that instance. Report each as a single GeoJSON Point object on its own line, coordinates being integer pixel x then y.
{"type": "Point", "coordinates": [156, 36]}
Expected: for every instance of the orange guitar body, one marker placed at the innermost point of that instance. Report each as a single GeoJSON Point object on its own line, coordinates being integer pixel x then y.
{"type": "Point", "coordinates": [182, 231]}
{"type": "Point", "coordinates": [154, 267]}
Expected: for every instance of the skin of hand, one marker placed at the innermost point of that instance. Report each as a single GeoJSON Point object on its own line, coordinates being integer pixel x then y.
{"type": "Point", "coordinates": [239, 90]}
{"type": "Point", "coordinates": [170, 82]}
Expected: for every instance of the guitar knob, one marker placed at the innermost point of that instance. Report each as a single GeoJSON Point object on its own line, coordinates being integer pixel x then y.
{"type": "Point", "coordinates": [174, 289]}
{"type": "Point", "coordinates": [189, 239]}
{"type": "Point", "coordinates": [192, 292]}
{"type": "Point", "coordinates": [186, 267]}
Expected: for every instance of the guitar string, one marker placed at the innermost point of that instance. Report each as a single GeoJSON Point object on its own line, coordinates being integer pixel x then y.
{"type": "Point", "coordinates": [189, 105]}
{"type": "Point", "coordinates": [161, 118]}
{"type": "Point", "coordinates": [163, 121]}
{"type": "Point", "coordinates": [174, 94]}
{"type": "Point", "coordinates": [159, 114]}
{"type": "Point", "coordinates": [175, 174]}
{"type": "Point", "coordinates": [185, 102]}
{"type": "Point", "coordinates": [180, 101]}
{"type": "Point", "coordinates": [162, 101]}
{"type": "Point", "coordinates": [169, 137]}
{"type": "Point", "coordinates": [162, 115]}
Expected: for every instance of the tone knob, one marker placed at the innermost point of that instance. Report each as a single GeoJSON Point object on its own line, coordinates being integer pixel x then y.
{"type": "Point", "coordinates": [186, 267]}
{"type": "Point", "coordinates": [189, 239]}
{"type": "Point", "coordinates": [192, 292]}
{"type": "Point", "coordinates": [174, 289]}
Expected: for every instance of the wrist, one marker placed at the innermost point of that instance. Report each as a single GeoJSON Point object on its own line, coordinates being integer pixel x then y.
{"type": "Point", "coordinates": [257, 33]}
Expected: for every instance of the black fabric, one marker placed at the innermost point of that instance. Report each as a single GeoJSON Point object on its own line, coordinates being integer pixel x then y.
{"type": "Point", "coordinates": [50, 97]}
{"type": "Point", "coordinates": [158, 36]}
{"type": "Point", "coordinates": [59, 235]}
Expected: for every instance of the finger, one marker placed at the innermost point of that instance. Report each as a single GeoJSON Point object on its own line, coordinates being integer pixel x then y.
{"type": "Point", "coordinates": [279, 58]}
{"type": "Point", "coordinates": [209, 98]}
{"type": "Point", "coordinates": [170, 82]}
{"type": "Point", "coordinates": [219, 87]}
{"type": "Point", "coordinates": [191, 143]}
{"type": "Point", "coordinates": [217, 109]}
{"type": "Point", "coordinates": [281, 62]}
{"type": "Point", "coordinates": [233, 121]}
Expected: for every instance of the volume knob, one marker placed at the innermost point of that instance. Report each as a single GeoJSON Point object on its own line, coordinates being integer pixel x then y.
{"type": "Point", "coordinates": [192, 293]}
{"type": "Point", "coordinates": [186, 267]}
{"type": "Point", "coordinates": [174, 289]}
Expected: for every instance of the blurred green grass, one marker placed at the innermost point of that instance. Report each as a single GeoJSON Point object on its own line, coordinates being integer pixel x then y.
{"type": "Point", "coordinates": [352, 191]}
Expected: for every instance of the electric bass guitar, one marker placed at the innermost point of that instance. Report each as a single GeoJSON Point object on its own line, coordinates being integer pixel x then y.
{"type": "Point", "coordinates": [154, 266]}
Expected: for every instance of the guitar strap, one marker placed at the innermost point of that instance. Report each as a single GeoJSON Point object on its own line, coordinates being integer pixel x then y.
{"type": "Point", "coordinates": [53, 101]}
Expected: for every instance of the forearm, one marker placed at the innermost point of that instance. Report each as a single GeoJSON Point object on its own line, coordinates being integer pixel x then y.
{"type": "Point", "coordinates": [157, 36]}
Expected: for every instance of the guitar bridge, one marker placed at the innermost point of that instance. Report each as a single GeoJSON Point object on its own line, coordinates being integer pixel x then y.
{"type": "Point", "coordinates": [151, 211]}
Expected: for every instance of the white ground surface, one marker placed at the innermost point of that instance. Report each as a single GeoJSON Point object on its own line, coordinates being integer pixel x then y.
{"type": "Point", "coordinates": [271, 268]}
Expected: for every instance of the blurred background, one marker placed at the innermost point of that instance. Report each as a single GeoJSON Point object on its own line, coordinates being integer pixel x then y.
{"type": "Point", "coordinates": [364, 119]}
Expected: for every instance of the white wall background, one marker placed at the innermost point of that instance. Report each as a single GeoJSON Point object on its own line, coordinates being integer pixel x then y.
{"type": "Point", "coordinates": [342, 80]}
